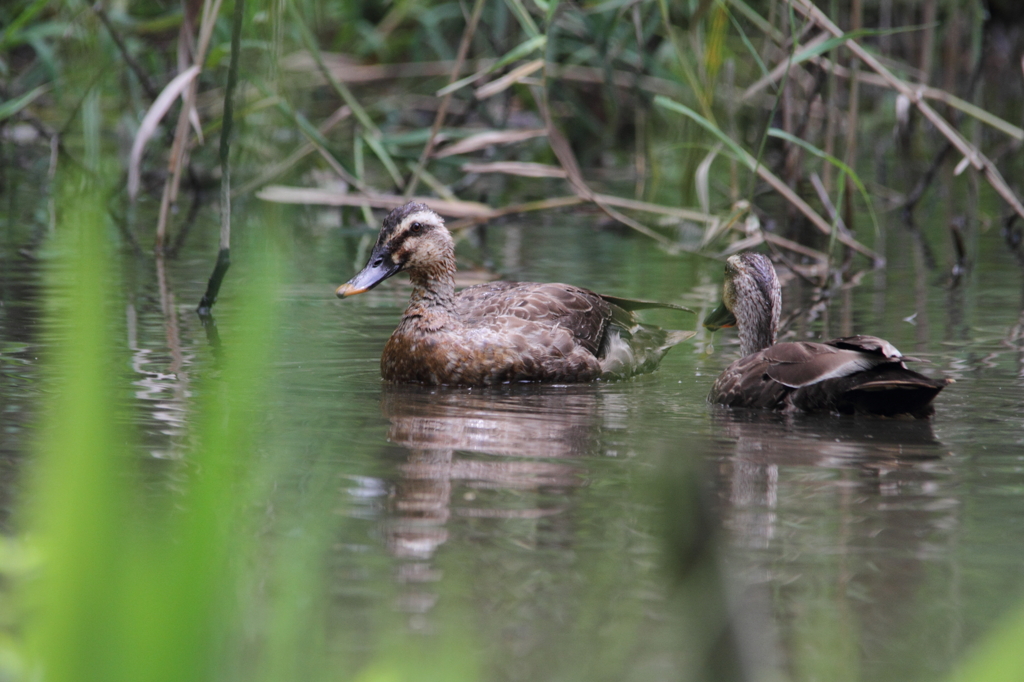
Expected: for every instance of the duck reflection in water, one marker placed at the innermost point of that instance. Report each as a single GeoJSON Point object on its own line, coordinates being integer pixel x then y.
{"type": "Point", "coordinates": [526, 437]}
{"type": "Point", "coordinates": [879, 457]}
{"type": "Point", "coordinates": [849, 516]}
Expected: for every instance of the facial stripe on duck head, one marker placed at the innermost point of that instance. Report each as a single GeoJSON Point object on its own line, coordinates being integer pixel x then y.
{"type": "Point", "coordinates": [412, 238]}
{"type": "Point", "coordinates": [415, 238]}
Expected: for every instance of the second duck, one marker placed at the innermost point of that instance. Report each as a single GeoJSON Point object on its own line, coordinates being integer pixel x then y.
{"type": "Point", "coordinates": [855, 374]}
{"type": "Point", "coordinates": [499, 332]}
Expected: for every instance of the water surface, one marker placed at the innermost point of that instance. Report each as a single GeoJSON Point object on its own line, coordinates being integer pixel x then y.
{"type": "Point", "coordinates": [544, 519]}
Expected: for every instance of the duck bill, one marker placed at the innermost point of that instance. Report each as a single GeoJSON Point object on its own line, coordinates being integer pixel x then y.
{"type": "Point", "coordinates": [718, 318]}
{"type": "Point", "coordinates": [376, 271]}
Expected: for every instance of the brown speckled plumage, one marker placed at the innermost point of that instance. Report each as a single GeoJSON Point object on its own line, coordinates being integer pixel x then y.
{"type": "Point", "coordinates": [498, 332]}
{"type": "Point", "coordinates": [856, 374]}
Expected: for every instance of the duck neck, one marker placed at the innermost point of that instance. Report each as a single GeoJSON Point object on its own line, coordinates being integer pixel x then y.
{"type": "Point", "coordinates": [433, 294]}
{"type": "Point", "coordinates": [758, 323]}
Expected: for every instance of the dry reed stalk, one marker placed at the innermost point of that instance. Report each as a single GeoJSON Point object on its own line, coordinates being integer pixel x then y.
{"type": "Point", "coordinates": [488, 138]}
{"type": "Point", "coordinates": [929, 92]}
{"type": "Point", "coordinates": [514, 76]}
{"type": "Point", "coordinates": [647, 207]}
{"type": "Point", "coordinates": [563, 151]}
{"type": "Point", "coordinates": [640, 152]}
{"type": "Point", "coordinates": [795, 247]}
{"type": "Point", "coordinates": [831, 125]}
{"type": "Point", "coordinates": [576, 200]}
{"type": "Point", "coordinates": [346, 70]}
{"type": "Point", "coordinates": [928, 39]}
{"type": "Point", "coordinates": [513, 209]}
{"type": "Point", "coordinates": [442, 111]}
{"type": "Point", "coordinates": [971, 154]}
{"type": "Point", "coordinates": [324, 197]}
{"type": "Point", "coordinates": [776, 74]}
{"type": "Point", "coordinates": [826, 201]}
{"type": "Point", "coordinates": [179, 149]}
{"type": "Point", "coordinates": [524, 169]}
{"type": "Point", "coordinates": [161, 105]}
{"type": "Point", "coordinates": [853, 112]}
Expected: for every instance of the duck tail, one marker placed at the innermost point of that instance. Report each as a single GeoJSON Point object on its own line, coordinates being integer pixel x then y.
{"type": "Point", "coordinates": [895, 392]}
{"type": "Point", "coordinates": [638, 349]}
{"type": "Point", "coordinates": [634, 304]}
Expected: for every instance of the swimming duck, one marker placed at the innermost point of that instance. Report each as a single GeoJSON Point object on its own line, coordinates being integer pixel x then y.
{"type": "Point", "coordinates": [498, 332]}
{"type": "Point", "coordinates": [855, 374]}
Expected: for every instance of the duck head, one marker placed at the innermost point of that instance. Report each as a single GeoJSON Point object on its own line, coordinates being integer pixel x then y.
{"type": "Point", "coordinates": [412, 239]}
{"type": "Point", "coordinates": [751, 300]}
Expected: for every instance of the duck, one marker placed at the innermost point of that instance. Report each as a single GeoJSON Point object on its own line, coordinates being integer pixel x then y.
{"type": "Point", "coordinates": [499, 332]}
{"type": "Point", "coordinates": [851, 375]}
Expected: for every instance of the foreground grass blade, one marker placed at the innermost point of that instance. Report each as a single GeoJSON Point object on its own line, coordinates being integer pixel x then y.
{"type": "Point", "coordinates": [135, 586]}
{"type": "Point", "coordinates": [998, 655]}
{"type": "Point", "coordinates": [79, 501]}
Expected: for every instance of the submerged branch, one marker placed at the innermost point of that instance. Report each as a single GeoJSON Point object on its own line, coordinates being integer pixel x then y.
{"type": "Point", "coordinates": [224, 252]}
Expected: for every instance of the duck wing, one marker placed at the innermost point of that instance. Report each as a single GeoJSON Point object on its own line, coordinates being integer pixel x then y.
{"type": "Point", "coordinates": [559, 307]}
{"type": "Point", "coordinates": [798, 364]}
{"type": "Point", "coordinates": [856, 374]}
{"type": "Point", "coordinates": [869, 344]}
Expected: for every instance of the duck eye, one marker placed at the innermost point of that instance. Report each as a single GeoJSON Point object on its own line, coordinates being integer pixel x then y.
{"type": "Point", "coordinates": [416, 228]}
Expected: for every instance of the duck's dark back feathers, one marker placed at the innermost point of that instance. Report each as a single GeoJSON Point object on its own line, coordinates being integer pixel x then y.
{"type": "Point", "coordinates": [860, 374]}
{"type": "Point", "coordinates": [853, 374]}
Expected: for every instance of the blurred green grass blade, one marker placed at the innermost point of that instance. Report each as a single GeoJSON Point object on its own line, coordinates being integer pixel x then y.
{"type": "Point", "coordinates": [309, 41]}
{"type": "Point", "coordinates": [793, 139]}
{"type": "Point", "coordinates": [998, 656]}
{"type": "Point", "coordinates": [523, 17]}
{"type": "Point", "coordinates": [385, 158]}
{"type": "Point", "coordinates": [683, 58]}
{"type": "Point", "coordinates": [749, 45]}
{"type": "Point", "coordinates": [208, 537]}
{"type": "Point", "coordinates": [518, 52]}
{"type": "Point", "coordinates": [78, 507]}
{"type": "Point", "coordinates": [135, 588]}
{"type": "Point", "coordinates": [12, 107]}
{"type": "Point", "coordinates": [738, 151]}
{"type": "Point", "coordinates": [25, 16]}
{"type": "Point", "coordinates": [837, 41]}
{"type": "Point", "coordinates": [755, 18]}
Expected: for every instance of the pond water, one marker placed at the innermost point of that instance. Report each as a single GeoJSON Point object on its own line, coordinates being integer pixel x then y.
{"type": "Point", "coordinates": [570, 529]}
